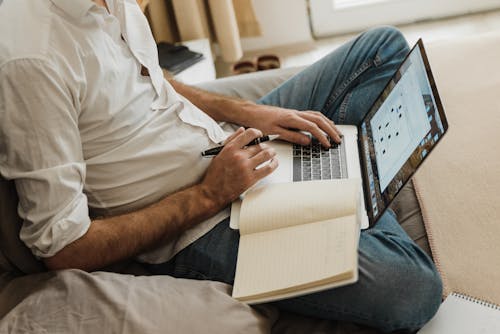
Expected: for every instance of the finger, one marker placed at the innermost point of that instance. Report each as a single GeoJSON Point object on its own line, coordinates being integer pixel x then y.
{"type": "Point", "coordinates": [323, 123]}
{"type": "Point", "coordinates": [267, 169]}
{"type": "Point", "coordinates": [311, 127]}
{"type": "Point", "coordinates": [245, 137]}
{"type": "Point", "coordinates": [261, 157]}
{"type": "Point", "coordinates": [234, 134]}
{"type": "Point", "coordinates": [252, 150]}
{"type": "Point", "coordinates": [295, 137]}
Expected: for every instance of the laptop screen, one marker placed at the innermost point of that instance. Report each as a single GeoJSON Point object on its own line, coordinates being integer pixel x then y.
{"type": "Point", "coordinates": [399, 131]}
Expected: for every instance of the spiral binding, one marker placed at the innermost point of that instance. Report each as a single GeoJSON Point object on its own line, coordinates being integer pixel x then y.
{"type": "Point", "coordinates": [477, 301]}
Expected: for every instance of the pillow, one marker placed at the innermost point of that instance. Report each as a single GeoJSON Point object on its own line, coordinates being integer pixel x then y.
{"type": "Point", "coordinates": [5, 265]}
{"type": "Point", "coordinates": [101, 302]}
{"type": "Point", "coordinates": [13, 249]}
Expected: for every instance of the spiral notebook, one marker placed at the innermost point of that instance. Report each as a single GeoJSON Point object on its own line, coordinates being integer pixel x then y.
{"type": "Point", "coordinates": [461, 314]}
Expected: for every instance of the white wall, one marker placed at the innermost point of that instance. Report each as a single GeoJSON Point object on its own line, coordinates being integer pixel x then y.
{"type": "Point", "coordinates": [282, 22]}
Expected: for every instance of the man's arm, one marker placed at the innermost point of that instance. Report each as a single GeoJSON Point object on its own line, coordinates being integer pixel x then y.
{"type": "Point", "coordinates": [113, 239]}
{"type": "Point", "coordinates": [268, 119]}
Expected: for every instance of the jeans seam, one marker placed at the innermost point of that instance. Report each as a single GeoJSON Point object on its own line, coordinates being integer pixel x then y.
{"type": "Point", "coordinates": [339, 91]}
{"type": "Point", "coordinates": [343, 108]}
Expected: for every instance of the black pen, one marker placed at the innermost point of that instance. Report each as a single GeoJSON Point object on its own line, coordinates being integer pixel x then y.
{"type": "Point", "coordinates": [216, 150]}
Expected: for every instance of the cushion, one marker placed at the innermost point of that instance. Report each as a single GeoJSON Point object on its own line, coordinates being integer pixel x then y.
{"type": "Point", "coordinates": [12, 248]}
{"type": "Point", "coordinates": [407, 209]}
{"type": "Point", "coordinates": [251, 86]}
{"type": "Point", "coordinates": [5, 265]}
{"type": "Point", "coordinates": [101, 302]}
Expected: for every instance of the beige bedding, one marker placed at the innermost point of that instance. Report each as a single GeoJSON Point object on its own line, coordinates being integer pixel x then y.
{"type": "Point", "coordinates": [73, 301]}
{"type": "Point", "coordinates": [459, 185]}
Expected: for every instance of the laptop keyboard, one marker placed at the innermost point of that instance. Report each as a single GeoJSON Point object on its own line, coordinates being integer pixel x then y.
{"type": "Point", "coordinates": [314, 162]}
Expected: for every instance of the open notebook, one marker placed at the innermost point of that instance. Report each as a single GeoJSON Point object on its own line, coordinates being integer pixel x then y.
{"type": "Point", "coordinates": [297, 238]}
{"type": "Point", "coordinates": [460, 314]}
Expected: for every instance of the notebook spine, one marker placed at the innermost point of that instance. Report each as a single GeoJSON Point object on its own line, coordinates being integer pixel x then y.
{"type": "Point", "coordinates": [477, 301]}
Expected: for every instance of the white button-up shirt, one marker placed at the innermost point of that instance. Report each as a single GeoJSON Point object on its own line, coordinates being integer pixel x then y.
{"type": "Point", "coordinates": [81, 128]}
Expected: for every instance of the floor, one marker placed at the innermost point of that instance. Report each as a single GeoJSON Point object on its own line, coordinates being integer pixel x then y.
{"type": "Point", "coordinates": [309, 52]}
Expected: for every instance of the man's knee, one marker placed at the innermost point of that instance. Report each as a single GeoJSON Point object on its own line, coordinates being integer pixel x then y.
{"type": "Point", "coordinates": [385, 33]}
{"type": "Point", "coordinates": [408, 294]}
{"type": "Point", "coordinates": [389, 41]}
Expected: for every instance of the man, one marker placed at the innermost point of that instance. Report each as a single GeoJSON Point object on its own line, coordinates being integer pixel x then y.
{"type": "Point", "coordinates": [90, 128]}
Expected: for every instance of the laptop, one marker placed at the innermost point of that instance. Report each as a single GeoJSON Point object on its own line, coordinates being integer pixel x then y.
{"type": "Point", "coordinates": [397, 134]}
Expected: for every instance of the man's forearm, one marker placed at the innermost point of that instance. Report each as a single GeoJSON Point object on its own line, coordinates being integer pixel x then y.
{"type": "Point", "coordinates": [219, 107]}
{"type": "Point", "coordinates": [113, 239]}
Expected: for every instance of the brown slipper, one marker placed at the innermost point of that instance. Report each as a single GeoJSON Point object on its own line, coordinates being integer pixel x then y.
{"type": "Point", "coordinates": [267, 62]}
{"type": "Point", "coordinates": [243, 66]}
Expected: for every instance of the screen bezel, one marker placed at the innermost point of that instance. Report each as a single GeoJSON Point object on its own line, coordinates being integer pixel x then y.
{"type": "Point", "coordinates": [361, 148]}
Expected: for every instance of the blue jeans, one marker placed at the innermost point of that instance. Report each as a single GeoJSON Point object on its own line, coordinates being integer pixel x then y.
{"type": "Point", "coordinates": [398, 286]}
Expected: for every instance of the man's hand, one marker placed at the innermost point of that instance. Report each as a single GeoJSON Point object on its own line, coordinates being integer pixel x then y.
{"type": "Point", "coordinates": [288, 122]}
{"type": "Point", "coordinates": [234, 169]}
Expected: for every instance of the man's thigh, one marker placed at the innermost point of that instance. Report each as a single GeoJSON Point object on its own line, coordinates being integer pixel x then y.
{"type": "Point", "coordinates": [211, 257]}
{"type": "Point", "coordinates": [344, 84]}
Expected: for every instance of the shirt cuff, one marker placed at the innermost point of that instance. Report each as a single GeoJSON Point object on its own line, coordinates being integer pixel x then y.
{"type": "Point", "coordinates": [48, 238]}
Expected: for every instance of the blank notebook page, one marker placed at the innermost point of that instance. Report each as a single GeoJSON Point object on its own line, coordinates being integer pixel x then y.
{"type": "Point", "coordinates": [279, 205]}
{"type": "Point", "coordinates": [298, 255]}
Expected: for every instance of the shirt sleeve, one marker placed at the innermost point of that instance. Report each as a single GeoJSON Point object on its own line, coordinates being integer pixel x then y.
{"type": "Point", "coordinates": [41, 150]}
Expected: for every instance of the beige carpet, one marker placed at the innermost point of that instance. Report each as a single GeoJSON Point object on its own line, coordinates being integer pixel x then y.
{"type": "Point", "coordinates": [459, 185]}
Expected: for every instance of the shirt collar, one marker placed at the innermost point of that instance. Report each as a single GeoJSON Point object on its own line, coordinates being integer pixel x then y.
{"type": "Point", "coordinates": [74, 8]}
